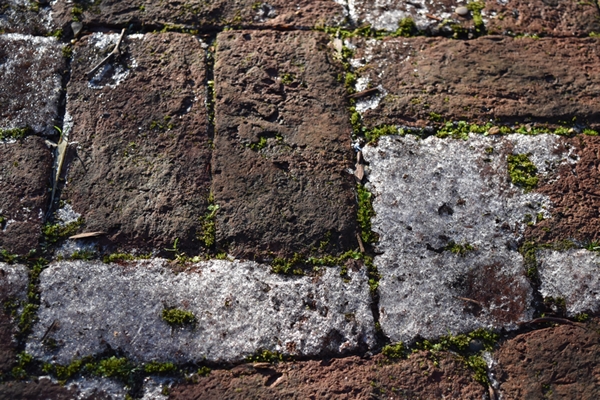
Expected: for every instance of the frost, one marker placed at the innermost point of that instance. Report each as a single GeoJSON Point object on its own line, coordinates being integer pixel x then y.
{"type": "Point", "coordinates": [66, 215]}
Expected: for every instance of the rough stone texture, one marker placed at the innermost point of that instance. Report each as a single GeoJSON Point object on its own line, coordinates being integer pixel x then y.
{"type": "Point", "coordinates": [30, 82]}
{"type": "Point", "coordinates": [433, 193]}
{"type": "Point", "coordinates": [140, 171]}
{"type": "Point", "coordinates": [541, 17]}
{"type": "Point", "coordinates": [240, 308]}
{"type": "Point", "coordinates": [13, 287]}
{"type": "Point", "coordinates": [552, 363]}
{"type": "Point", "coordinates": [35, 390]}
{"type": "Point", "coordinates": [573, 275]}
{"type": "Point", "coordinates": [347, 378]}
{"type": "Point", "coordinates": [289, 195]}
{"type": "Point", "coordinates": [25, 170]}
{"type": "Point", "coordinates": [205, 15]}
{"type": "Point", "coordinates": [575, 197]}
{"type": "Point", "coordinates": [26, 17]}
{"type": "Point", "coordinates": [505, 79]}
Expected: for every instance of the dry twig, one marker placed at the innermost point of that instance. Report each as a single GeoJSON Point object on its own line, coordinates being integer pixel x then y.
{"type": "Point", "coordinates": [106, 59]}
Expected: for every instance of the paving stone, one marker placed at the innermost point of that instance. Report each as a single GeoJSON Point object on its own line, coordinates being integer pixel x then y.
{"type": "Point", "coordinates": [30, 82]}
{"type": "Point", "coordinates": [25, 171]}
{"type": "Point", "coordinates": [26, 17]}
{"type": "Point", "coordinates": [282, 145]}
{"type": "Point", "coordinates": [35, 390]}
{"type": "Point", "coordinates": [552, 363]}
{"type": "Point", "coordinates": [240, 308]}
{"type": "Point", "coordinates": [504, 79]}
{"type": "Point", "coordinates": [13, 288]}
{"type": "Point", "coordinates": [347, 378]}
{"type": "Point", "coordinates": [435, 195]}
{"type": "Point", "coordinates": [574, 195]}
{"type": "Point", "coordinates": [140, 170]}
{"type": "Point", "coordinates": [540, 17]}
{"type": "Point", "coordinates": [573, 275]}
{"type": "Point", "coordinates": [203, 15]}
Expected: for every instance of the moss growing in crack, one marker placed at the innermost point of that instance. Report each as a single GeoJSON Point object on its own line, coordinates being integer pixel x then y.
{"type": "Point", "coordinates": [178, 318]}
{"type": "Point", "coordinates": [373, 135]}
{"type": "Point", "coordinates": [406, 28]}
{"type": "Point", "coordinates": [117, 257]}
{"type": "Point", "coordinates": [475, 7]}
{"type": "Point", "coordinates": [395, 351]}
{"type": "Point", "coordinates": [356, 121]}
{"type": "Point", "coordinates": [208, 233]}
{"type": "Point", "coordinates": [479, 367]}
{"type": "Point", "coordinates": [158, 368]}
{"type": "Point", "coordinates": [522, 171]}
{"type": "Point", "coordinates": [113, 367]}
{"type": "Point", "coordinates": [287, 78]}
{"type": "Point", "coordinates": [203, 371]}
{"type": "Point", "coordinates": [267, 356]}
{"type": "Point", "coordinates": [364, 214]}
{"type": "Point", "coordinates": [14, 133]}
{"type": "Point", "coordinates": [19, 372]}
{"type": "Point", "coordinates": [261, 144]}
{"type": "Point", "coordinates": [53, 233]}
{"type": "Point", "coordinates": [461, 130]}
{"type": "Point", "coordinates": [460, 249]}
{"type": "Point", "coordinates": [8, 257]}
{"type": "Point", "coordinates": [590, 132]}
{"type": "Point", "coordinates": [288, 266]}
{"type": "Point", "coordinates": [350, 82]}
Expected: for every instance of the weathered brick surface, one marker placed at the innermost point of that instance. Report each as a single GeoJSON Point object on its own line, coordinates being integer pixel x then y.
{"type": "Point", "coordinates": [27, 17]}
{"type": "Point", "coordinates": [25, 171]}
{"type": "Point", "coordinates": [140, 170]}
{"type": "Point", "coordinates": [13, 288]}
{"type": "Point", "coordinates": [552, 363]}
{"type": "Point", "coordinates": [574, 195]}
{"type": "Point", "coordinates": [282, 145]}
{"type": "Point", "coordinates": [240, 309]}
{"type": "Point", "coordinates": [488, 78]}
{"type": "Point", "coordinates": [203, 15]}
{"type": "Point", "coordinates": [30, 82]}
{"type": "Point", "coordinates": [538, 17]}
{"type": "Point", "coordinates": [420, 377]}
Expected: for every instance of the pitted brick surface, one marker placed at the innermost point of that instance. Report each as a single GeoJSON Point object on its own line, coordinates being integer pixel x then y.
{"type": "Point", "coordinates": [30, 82]}
{"type": "Point", "coordinates": [490, 78]}
{"type": "Point", "coordinates": [26, 17]}
{"type": "Point", "coordinates": [293, 190]}
{"type": "Point", "coordinates": [13, 288]}
{"type": "Point", "coordinates": [205, 15]}
{"type": "Point", "coordinates": [433, 194]}
{"type": "Point", "coordinates": [25, 170]}
{"type": "Point", "coordinates": [241, 308]}
{"type": "Point", "coordinates": [140, 170]}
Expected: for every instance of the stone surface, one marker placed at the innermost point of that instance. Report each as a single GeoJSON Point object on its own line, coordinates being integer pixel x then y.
{"type": "Point", "coordinates": [435, 194]}
{"type": "Point", "coordinates": [204, 15]}
{"type": "Point", "coordinates": [575, 198]}
{"type": "Point", "coordinates": [26, 17]}
{"type": "Point", "coordinates": [573, 275]}
{"type": "Point", "coordinates": [541, 17]}
{"type": "Point", "coordinates": [504, 79]}
{"type": "Point", "coordinates": [30, 82]}
{"type": "Point", "coordinates": [140, 169]}
{"type": "Point", "coordinates": [13, 288]}
{"type": "Point", "coordinates": [241, 308]}
{"type": "Point", "coordinates": [35, 390]}
{"type": "Point", "coordinates": [552, 363]}
{"type": "Point", "coordinates": [25, 171]}
{"type": "Point", "coordinates": [282, 145]}
{"type": "Point", "coordinates": [347, 378]}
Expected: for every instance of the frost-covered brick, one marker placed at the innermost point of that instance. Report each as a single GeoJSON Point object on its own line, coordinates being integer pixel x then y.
{"type": "Point", "coordinates": [573, 275]}
{"type": "Point", "coordinates": [30, 82]}
{"type": "Point", "coordinates": [449, 221]}
{"type": "Point", "coordinates": [240, 308]}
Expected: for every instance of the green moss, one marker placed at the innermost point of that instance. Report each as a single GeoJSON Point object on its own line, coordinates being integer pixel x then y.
{"type": "Point", "coordinates": [178, 318]}
{"type": "Point", "coordinates": [67, 51]}
{"type": "Point", "coordinates": [114, 367]}
{"type": "Point", "coordinates": [581, 317]}
{"type": "Point", "coordinates": [287, 78]}
{"type": "Point", "coordinates": [155, 367]}
{"type": "Point", "coordinates": [53, 233]}
{"type": "Point", "coordinates": [479, 367]}
{"type": "Point", "coordinates": [203, 371]}
{"type": "Point", "coordinates": [208, 233]}
{"type": "Point", "coordinates": [7, 257]}
{"type": "Point", "coordinates": [76, 13]}
{"type": "Point", "coordinates": [116, 257]}
{"type": "Point", "coordinates": [406, 28]}
{"type": "Point", "coordinates": [590, 132]}
{"type": "Point", "coordinates": [261, 144]}
{"type": "Point", "coordinates": [356, 121]}
{"type": "Point", "coordinates": [475, 7]}
{"type": "Point", "coordinates": [350, 82]}
{"type": "Point", "coordinates": [288, 266]}
{"type": "Point", "coordinates": [556, 304]}
{"type": "Point", "coordinates": [82, 255]}
{"type": "Point", "coordinates": [459, 249]}
{"type": "Point", "coordinates": [374, 134]}
{"type": "Point", "coordinates": [396, 351]}
{"type": "Point", "coordinates": [522, 171]}
{"type": "Point", "coordinates": [594, 34]}
{"type": "Point", "coordinates": [365, 214]}
{"type": "Point", "coordinates": [435, 117]}
{"type": "Point", "coordinates": [266, 356]}
{"type": "Point", "coordinates": [14, 133]}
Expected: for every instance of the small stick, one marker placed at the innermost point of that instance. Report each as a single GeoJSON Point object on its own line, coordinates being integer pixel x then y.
{"type": "Point", "coordinates": [48, 330]}
{"type": "Point", "coordinates": [364, 93]}
{"type": "Point", "coordinates": [106, 59]}
{"type": "Point", "coordinates": [61, 151]}
{"type": "Point", "coordinates": [470, 301]}
{"type": "Point", "coordinates": [360, 243]}
{"type": "Point", "coordinates": [433, 17]}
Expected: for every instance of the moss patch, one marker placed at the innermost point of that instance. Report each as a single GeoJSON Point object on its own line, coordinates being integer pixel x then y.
{"type": "Point", "coordinates": [522, 171]}
{"type": "Point", "coordinates": [15, 133]}
{"type": "Point", "coordinates": [178, 318]}
{"type": "Point", "coordinates": [365, 214]}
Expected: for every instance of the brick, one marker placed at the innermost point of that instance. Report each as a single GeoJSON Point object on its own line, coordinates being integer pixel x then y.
{"type": "Point", "coordinates": [282, 145]}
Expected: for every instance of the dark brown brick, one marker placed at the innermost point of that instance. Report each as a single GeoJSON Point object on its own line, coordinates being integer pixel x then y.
{"type": "Point", "coordinates": [26, 17]}
{"type": "Point", "coordinates": [504, 79]}
{"type": "Point", "coordinates": [282, 144]}
{"type": "Point", "coordinates": [141, 168]}
{"type": "Point", "coordinates": [13, 288]}
{"type": "Point", "coordinates": [204, 15]}
{"type": "Point", "coordinates": [25, 173]}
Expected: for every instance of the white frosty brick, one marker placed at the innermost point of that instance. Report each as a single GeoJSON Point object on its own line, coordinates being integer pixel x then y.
{"type": "Point", "coordinates": [241, 308]}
